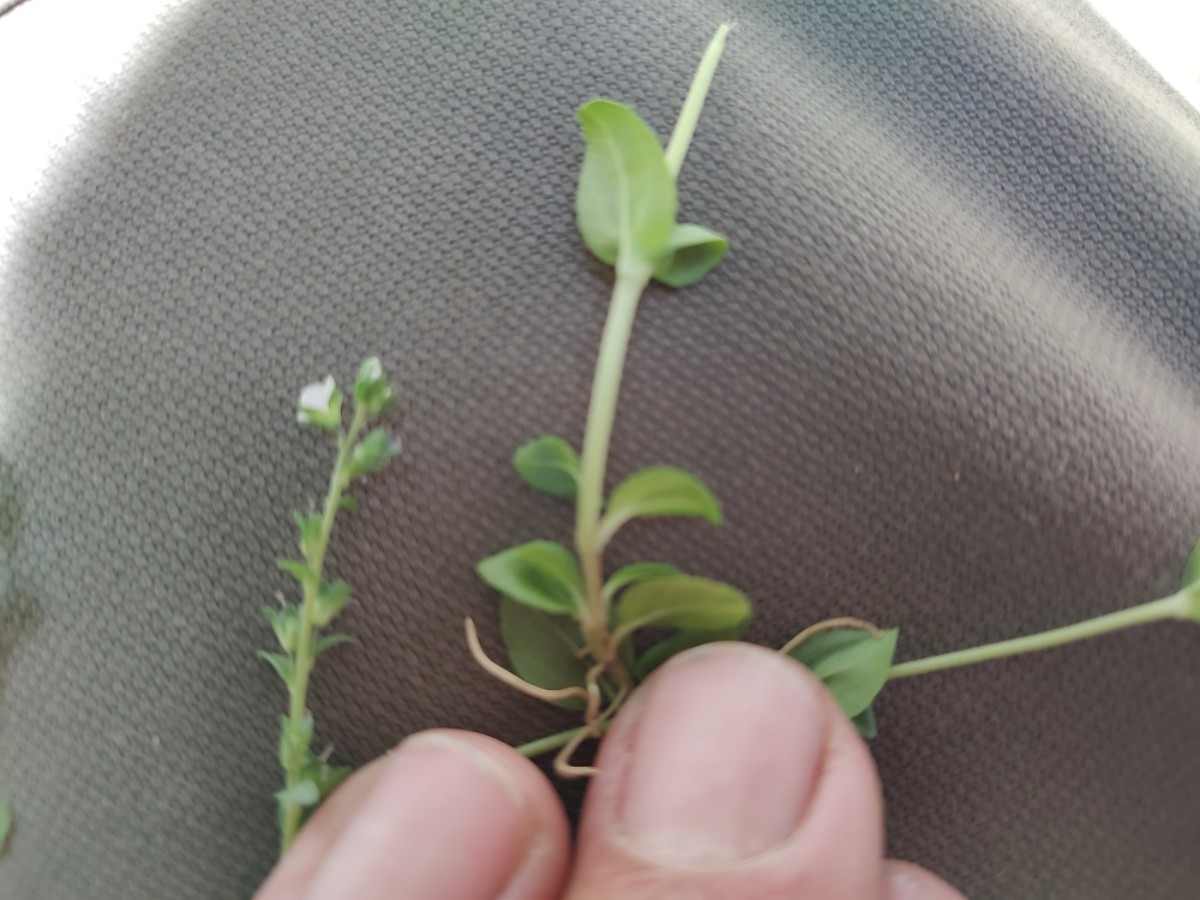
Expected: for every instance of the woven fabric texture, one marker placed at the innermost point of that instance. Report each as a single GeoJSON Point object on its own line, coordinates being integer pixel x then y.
{"type": "Point", "coordinates": [946, 379]}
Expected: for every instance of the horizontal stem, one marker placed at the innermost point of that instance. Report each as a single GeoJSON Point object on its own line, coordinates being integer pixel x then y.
{"type": "Point", "coordinates": [1183, 605]}
{"type": "Point", "coordinates": [558, 740]}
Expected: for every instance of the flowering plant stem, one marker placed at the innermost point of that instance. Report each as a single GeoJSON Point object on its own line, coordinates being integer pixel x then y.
{"type": "Point", "coordinates": [292, 811]}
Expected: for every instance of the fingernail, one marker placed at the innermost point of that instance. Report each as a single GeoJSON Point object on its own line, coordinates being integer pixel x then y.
{"type": "Point", "coordinates": [726, 748]}
{"type": "Point", "coordinates": [900, 885]}
{"type": "Point", "coordinates": [444, 820]}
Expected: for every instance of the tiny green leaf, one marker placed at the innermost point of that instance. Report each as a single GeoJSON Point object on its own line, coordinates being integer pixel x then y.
{"type": "Point", "coordinates": [853, 664]}
{"type": "Point", "coordinates": [285, 622]}
{"type": "Point", "coordinates": [865, 723]}
{"type": "Point", "coordinates": [659, 653]}
{"type": "Point", "coordinates": [626, 200]}
{"type": "Point", "coordinates": [627, 575]}
{"type": "Point", "coordinates": [549, 464]}
{"type": "Point", "coordinates": [691, 253]}
{"type": "Point", "coordinates": [331, 640]}
{"type": "Point", "coordinates": [294, 743]}
{"type": "Point", "coordinates": [280, 663]}
{"type": "Point", "coordinates": [659, 491]}
{"type": "Point", "coordinates": [348, 503]}
{"type": "Point", "coordinates": [6, 819]}
{"type": "Point", "coordinates": [330, 777]}
{"type": "Point", "coordinates": [543, 648]}
{"type": "Point", "coordinates": [310, 527]}
{"type": "Point", "coordinates": [302, 793]}
{"type": "Point", "coordinates": [372, 393]}
{"type": "Point", "coordinates": [683, 601]}
{"type": "Point", "coordinates": [297, 569]}
{"type": "Point", "coordinates": [371, 454]}
{"type": "Point", "coordinates": [1191, 572]}
{"type": "Point", "coordinates": [541, 574]}
{"type": "Point", "coordinates": [330, 599]}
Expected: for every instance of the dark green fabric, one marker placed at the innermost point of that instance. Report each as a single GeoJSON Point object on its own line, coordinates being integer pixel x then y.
{"type": "Point", "coordinates": [947, 380]}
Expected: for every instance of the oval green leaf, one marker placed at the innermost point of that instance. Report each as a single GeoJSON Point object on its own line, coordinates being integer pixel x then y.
{"type": "Point", "coordinates": [853, 664]}
{"type": "Point", "coordinates": [543, 648]}
{"type": "Point", "coordinates": [302, 793]}
{"type": "Point", "coordinates": [627, 575]}
{"type": "Point", "coordinates": [682, 601]}
{"type": "Point", "coordinates": [542, 574]}
{"type": "Point", "coordinates": [549, 464]}
{"type": "Point", "coordinates": [659, 491]}
{"type": "Point", "coordinates": [659, 653]}
{"type": "Point", "coordinates": [691, 253]}
{"type": "Point", "coordinates": [626, 200]}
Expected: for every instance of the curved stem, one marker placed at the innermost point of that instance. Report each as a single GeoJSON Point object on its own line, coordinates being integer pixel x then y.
{"type": "Point", "coordinates": [500, 673]}
{"type": "Point", "coordinates": [1183, 605]}
{"type": "Point", "coordinates": [830, 625]}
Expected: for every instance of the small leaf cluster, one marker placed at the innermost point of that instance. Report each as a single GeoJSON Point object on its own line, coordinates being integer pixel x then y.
{"type": "Point", "coordinates": [298, 626]}
{"type": "Point", "coordinates": [544, 597]}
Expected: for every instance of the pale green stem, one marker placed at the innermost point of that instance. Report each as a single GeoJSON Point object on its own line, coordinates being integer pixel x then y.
{"type": "Point", "coordinates": [601, 413]}
{"type": "Point", "coordinates": [558, 740]}
{"type": "Point", "coordinates": [303, 662]}
{"type": "Point", "coordinates": [1183, 605]}
{"type": "Point", "coordinates": [685, 126]}
{"type": "Point", "coordinates": [632, 277]}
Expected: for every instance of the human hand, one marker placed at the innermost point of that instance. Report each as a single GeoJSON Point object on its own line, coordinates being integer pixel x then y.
{"type": "Point", "coordinates": [731, 775]}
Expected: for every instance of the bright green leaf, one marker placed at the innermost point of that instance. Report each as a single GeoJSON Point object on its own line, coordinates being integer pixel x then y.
{"type": "Point", "coordinates": [1191, 573]}
{"type": "Point", "coordinates": [659, 653]}
{"type": "Point", "coordinates": [683, 601]}
{"type": "Point", "coordinates": [549, 464]}
{"type": "Point", "coordinates": [659, 491]}
{"type": "Point", "coordinates": [330, 599]}
{"type": "Point", "coordinates": [853, 663]}
{"type": "Point", "coordinates": [349, 504]}
{"type": "Point", "coordinates": [627, 575]}
{"type": "Point", "coordinates": [330, 777]}
{"type": "Point", "coordinates": [302, 793]}
{"type": "Point", "coordinates": [543, 648]}
{"type": "Point", "coordinates": [371, 454]}
{"type": "Point", "coordinates": [541, 573]}
{"type": "Point", "coordinates": [310, 528]}
{"type": "Point", "coordinates": [280, 663]}
{"type": "Point", "coordinates": [865, 723]}
{"type": "Point", "coordinates": [297, 569]}
{"type": "Point", "coordinates": [285, 622]}
{"type": "Point", "coordinates": [625, 204]}
{"type": "Point", "coordinates": [331, 640]}
{"type": "Point", "coordinates": [691, 253]}
{"type": "Point", "coordinates": [294, 742]}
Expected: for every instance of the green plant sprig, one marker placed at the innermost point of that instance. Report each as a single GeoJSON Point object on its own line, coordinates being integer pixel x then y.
{"type": "Point", "coordinates": [308, 777]}
{"type": "Point", "coordinates": [568, 632]}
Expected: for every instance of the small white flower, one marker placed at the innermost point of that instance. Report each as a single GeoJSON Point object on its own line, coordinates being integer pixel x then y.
{"type": "Point", "coordinates": [314, 401]}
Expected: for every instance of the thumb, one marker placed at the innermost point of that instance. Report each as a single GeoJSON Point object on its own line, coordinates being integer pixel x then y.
{"type": "Point", "coordinates": [731, 774]}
